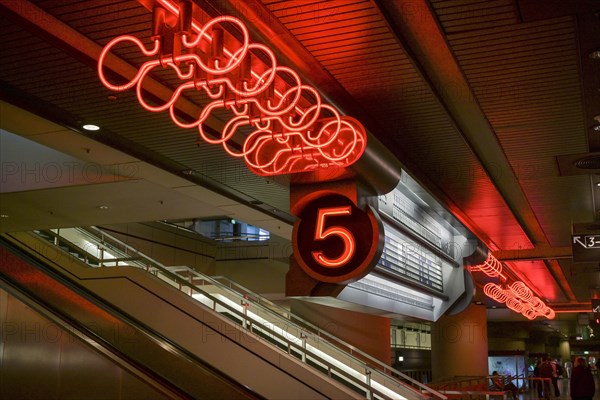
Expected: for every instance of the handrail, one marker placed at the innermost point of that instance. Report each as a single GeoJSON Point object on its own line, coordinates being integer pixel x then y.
{"type": "Point", "coordinates": [259, 300]}
{"type": "Point", "coordinates": [454, 382]}
{"type": "Point", "coordinates": [321, 333]}
{"type": "Point", "coordinates": [315, 329]}
{"type": "Point", "coordinates": [274, 310]}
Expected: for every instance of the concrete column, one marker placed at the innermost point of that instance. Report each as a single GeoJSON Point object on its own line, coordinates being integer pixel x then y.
{"type": "Point", "coordinates": [564, 351]}
{"type": "Point", "coordinates": [369, 333]}
{"type": "Point", "coordinates": [459, 345]}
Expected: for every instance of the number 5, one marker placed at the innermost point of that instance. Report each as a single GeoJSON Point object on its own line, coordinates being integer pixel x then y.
{"type": "Point", "coordinates": [341, 232]}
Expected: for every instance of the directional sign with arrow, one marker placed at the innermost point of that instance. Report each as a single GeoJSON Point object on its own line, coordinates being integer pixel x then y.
{"type": "Point", "coordinates": [596, 309]}
{"type": "Point", "coordinates": [586, 247]}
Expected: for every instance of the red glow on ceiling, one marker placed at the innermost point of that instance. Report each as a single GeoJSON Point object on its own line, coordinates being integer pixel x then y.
{"type": "Point", "coordinates": [291, 129]}
{"type": "Point", "coordinates": [537, 276]}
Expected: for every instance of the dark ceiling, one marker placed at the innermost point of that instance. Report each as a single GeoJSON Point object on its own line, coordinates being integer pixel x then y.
{"type": "Point", "coordinates": [488, 104]}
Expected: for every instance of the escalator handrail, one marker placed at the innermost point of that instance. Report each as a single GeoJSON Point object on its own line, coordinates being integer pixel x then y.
{"type": "Point", "coordinates": [96, 233]}
{"type": "Point", "coordinates": [90, 332]}
{"type": "Point", "coordinates": [253, 322]}
{"type": "Point", "coordinates": [286, 315]}
{"type": "Point", "coordinates": [319, 332]}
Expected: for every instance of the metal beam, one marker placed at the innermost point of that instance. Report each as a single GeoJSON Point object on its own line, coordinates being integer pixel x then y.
{"type": "Point", "coordinates": [539, 253]}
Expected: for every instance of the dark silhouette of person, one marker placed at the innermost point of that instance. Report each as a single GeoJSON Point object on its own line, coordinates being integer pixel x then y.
{"type": "Point", "coordinates": [546, 372]}
{"type": "Point", "coordinates": [582, 382]}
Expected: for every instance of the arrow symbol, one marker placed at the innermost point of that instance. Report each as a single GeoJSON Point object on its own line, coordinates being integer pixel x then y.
{"type": "Point", "coordinates": [577, 239]}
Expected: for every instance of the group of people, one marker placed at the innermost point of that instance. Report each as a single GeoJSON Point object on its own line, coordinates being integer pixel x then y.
{"type": "Point", "coordinates": [549, 371]}
{"type": "Point", "coordinates": [582, 386]}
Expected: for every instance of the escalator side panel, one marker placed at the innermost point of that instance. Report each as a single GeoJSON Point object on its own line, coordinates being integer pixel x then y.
{"type": "Point", "coordinates": [41, 360]}
{"type": "Point", "coordinates": [187, 379]}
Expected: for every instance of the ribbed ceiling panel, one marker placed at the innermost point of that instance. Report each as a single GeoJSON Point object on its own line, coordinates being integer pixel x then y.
{"type": "Point", "coordinates": [526, 77]}
{"type": "Point", "coordinates": [357, 47]}
{"type": "Point", "coordinates": [468, 15]}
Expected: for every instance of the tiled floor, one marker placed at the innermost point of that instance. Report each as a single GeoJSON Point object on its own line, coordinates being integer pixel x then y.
{"type": "Point", "coordinates": [563, 385]}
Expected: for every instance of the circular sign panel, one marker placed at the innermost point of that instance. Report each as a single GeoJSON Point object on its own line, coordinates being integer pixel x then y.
{"type": "Point", "coordinates": [336, 242]}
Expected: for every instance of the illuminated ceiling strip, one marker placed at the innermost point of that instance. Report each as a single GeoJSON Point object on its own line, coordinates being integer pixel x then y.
{"type": "Point", "coordinates": [284, 138]}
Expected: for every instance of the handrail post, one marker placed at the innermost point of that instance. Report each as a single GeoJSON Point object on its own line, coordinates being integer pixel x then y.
{"type": "Point", "coordinates": [245, 306]}
{"type": "Point", "coordinates": [303, 338]}
{"type": "Point", "coordinates": [368, 381]}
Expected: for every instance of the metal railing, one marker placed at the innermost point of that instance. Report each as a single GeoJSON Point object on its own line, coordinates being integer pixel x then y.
{"type": "Point", "coordinates": [267, 320]}
{"type": "Point", "coordinates": [471, 387]}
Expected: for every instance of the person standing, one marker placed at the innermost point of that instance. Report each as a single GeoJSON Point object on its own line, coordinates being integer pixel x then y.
{"type": "Point", "coordinates": [546, 371]}
{"type": "Point", "coordinates": [582, 381]}
{"type": "Point", "coordinates": [538, 383]}
{"type": "Point", "coordinates": [568, 368]}
{"type": "Point", "coordinates": [555, 374]}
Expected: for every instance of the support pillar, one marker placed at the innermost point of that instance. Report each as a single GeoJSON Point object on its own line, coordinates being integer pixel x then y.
{"type": "Point", "coordinates": [564, 351]}
{"type": "Point", "coordinates": [459, 344]}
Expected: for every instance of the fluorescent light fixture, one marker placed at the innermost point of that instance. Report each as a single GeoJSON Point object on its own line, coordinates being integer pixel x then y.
{"type": "Point", "coordinates": [91, 127]}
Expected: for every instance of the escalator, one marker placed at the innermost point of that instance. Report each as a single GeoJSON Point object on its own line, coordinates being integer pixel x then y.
{"type": "Point", "coordinates": [46, 355]}
{"type": "Point", "coordinates": [235, 346]}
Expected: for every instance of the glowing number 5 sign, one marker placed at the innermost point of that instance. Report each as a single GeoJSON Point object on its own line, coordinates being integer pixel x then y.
{"type": "Point", "coordinates": [335, 241]}
{"type": "Point", "coordinates": [341, 232]}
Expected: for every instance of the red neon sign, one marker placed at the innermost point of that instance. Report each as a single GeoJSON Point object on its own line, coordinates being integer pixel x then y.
{"type": "Point", "coordinates": [265, 108]}
{"type": "Point", "coordinates": [349, 243]}
{"type": "Point", "coordinates": [517, 296]}
{"type": "Point", "coordinates": [335, 241]}
{"type": "Point", "coordinates": [491, 267]}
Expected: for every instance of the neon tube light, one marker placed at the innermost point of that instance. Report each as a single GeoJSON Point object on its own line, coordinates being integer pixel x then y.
{"type": "Point", "coordinates": [517, 296]}
{"type": "Point", "coordinates": [266, 107]}
{"type": "Point", "coordinates": [491, 267]}
{"type": "Point", "coordinates": [339, 231]}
